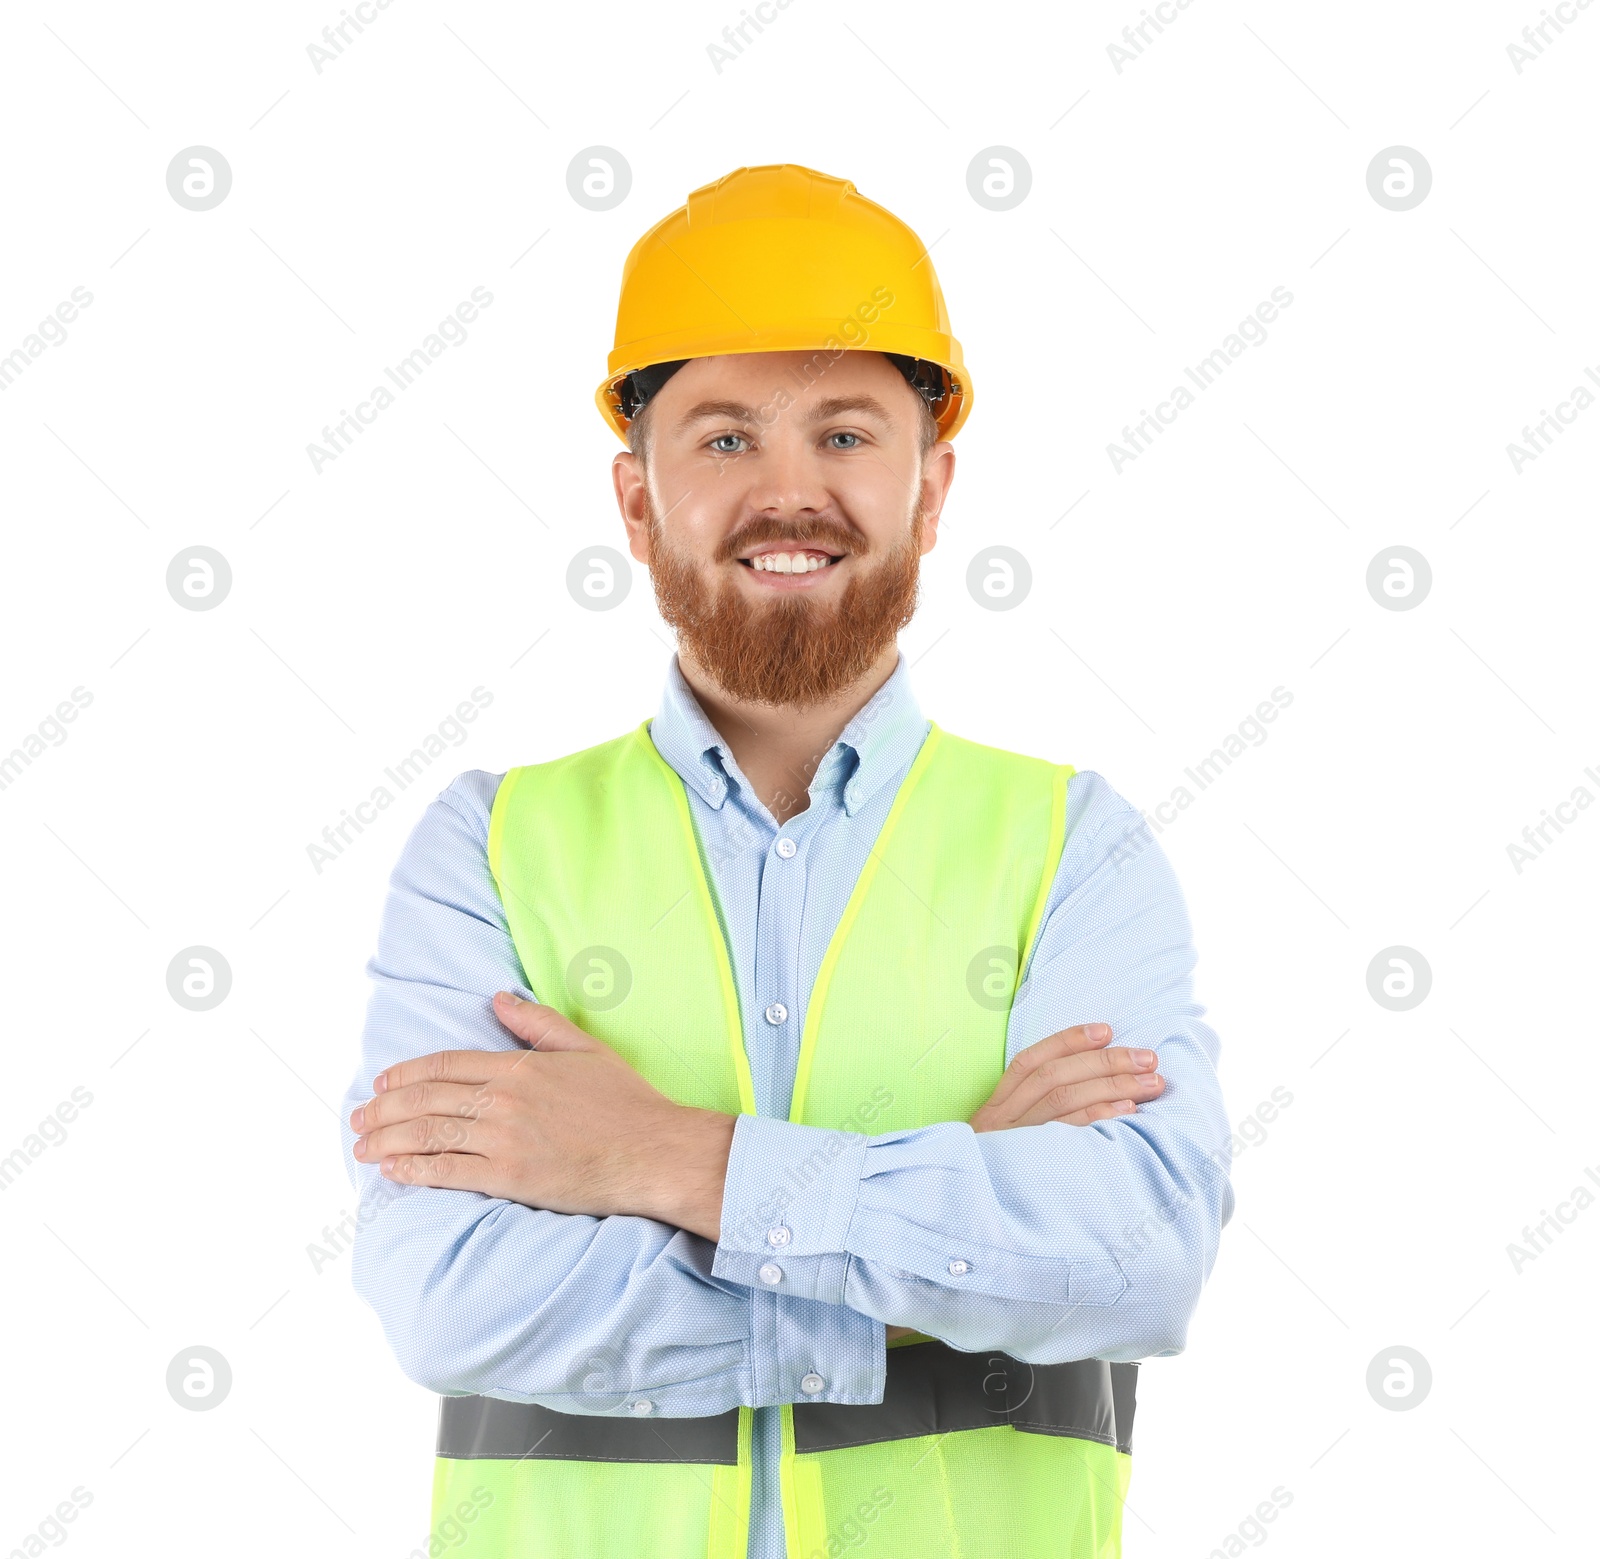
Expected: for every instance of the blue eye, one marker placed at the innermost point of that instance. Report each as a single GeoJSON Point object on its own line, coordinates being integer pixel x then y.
{"type": "Point", "coordinates": [720, 437]}
{"type": "Point", "coordinates": [855, 436]}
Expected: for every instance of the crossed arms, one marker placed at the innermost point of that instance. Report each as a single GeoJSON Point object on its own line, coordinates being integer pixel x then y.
{"type": "Point", "coordinates": [544, 1211]}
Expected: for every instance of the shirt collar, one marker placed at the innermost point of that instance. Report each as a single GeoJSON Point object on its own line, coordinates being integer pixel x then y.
{"type": "Point", "coordinates": [880, 740]}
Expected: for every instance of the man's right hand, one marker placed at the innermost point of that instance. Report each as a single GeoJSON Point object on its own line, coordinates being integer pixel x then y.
{"type": "Point", "coordinates": [1071, 1076]}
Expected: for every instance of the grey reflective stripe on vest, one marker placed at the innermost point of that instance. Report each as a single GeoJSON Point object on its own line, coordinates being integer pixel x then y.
{"type": "Point", "coordinates": [487, 1427]}
{"type": "Point", "coordinates": [929, 1389]}
{"type": "Point", "coordinates": [932, 1389]}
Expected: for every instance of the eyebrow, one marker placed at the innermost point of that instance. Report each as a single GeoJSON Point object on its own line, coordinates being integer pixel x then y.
{"type": "Point", "coordinates": [833, 406]}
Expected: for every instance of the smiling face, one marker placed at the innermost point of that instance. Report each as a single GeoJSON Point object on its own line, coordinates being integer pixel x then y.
{"type": "Point", "coordinates": [782, 504]}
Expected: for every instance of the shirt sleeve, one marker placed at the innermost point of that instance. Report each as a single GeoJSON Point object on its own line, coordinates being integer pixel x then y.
{"type": "Point", "coordinates": [1050, 1242]}
{"type": "Point", "coordinates": [481, 1295]}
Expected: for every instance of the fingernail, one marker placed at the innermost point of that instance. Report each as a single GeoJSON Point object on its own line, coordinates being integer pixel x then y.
{"type": "Point", "coordinates": [355, 1117]}
{"type": "Point", "coordinates": [510, 997]}
{"type": "Point", "coordinates": [1143, 1057]}
{"type": "Point", "coordinates": [1151, 1083]}
{"type": "Point", "coordinates": [1097, 1030]}
{"type": "Point", "coordinates": [380, 1082]}
{"type": "Point", "coordinates": [360, 1146]}
{"type": "Point", "coordinates": [1123, 1106]}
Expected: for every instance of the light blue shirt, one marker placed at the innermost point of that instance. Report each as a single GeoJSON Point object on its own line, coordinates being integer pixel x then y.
{"type": "Point", "coordinates": [1078, 1241]}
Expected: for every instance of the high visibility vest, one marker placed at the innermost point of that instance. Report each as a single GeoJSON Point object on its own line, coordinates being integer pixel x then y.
{"type": "Point", "coordinates": [612, 911]}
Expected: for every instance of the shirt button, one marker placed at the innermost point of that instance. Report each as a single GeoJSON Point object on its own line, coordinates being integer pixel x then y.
{"type": "Point", "coordinates": [777, 1013]}
{"type": "Point", "coordinates": [778, 1236]}
{"type": "Point", "coordinates": [771, 1273]}
{"type": "Point", "coordinates": [957, 1267]}
{"type": "Point", "coordinates": [812, 1383]}
{"type": "Point", "coordinates": [852, 795]}
{"type": "Point", "coordinates": [641, 1408]}
{"type": "Point", "coordinates": [786, 848]}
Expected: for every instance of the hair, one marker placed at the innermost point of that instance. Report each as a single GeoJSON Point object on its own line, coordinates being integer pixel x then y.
{"type": "Point", "coordinates": [638, 430]}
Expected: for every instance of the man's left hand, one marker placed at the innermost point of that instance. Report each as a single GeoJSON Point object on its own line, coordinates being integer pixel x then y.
{"type": "Point", "coordinates": [566, 1125]}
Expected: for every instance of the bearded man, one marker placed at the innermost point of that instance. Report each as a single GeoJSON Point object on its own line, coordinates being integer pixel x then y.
{"type": "Point", "coordinates": [777, 1188]}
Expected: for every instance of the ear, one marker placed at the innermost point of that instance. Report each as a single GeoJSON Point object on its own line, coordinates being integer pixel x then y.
{"type": "Point", "coordinates": [938, 472]}
{"type": "Point", "coordinates": [628, 481]}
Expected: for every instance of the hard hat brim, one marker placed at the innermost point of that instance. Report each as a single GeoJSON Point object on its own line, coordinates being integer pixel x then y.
{"type": "Point", "coordinates": [818, 336]}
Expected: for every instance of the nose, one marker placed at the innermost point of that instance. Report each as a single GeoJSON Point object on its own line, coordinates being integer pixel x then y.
{"type": "Point", "coordinates": [783, 480]}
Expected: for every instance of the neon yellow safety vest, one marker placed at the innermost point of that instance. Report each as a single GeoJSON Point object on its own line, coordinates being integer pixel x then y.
{"type": "Point", "coordinates": [611, 908]}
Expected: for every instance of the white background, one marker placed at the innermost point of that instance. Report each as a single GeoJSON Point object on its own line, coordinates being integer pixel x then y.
{"type": "Point", "coordinates": [1168, 600]}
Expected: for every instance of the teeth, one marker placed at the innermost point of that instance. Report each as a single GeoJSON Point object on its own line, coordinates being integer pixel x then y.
{"type": "Point", "coordinates": [789, 563]}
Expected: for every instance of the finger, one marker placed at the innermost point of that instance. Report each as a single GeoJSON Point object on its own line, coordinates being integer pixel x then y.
{"type": "Point", "coordinates": [1140, 1087]}
{"type": "Point", "coordinates": [447, 1066]}
{"type": "Point", "coordinates": [425, 1134]}
{"type": "Point", "coordinates": [1065, 1071]}
{"type": "Point", "coordinates": [393, 1105]}
{"type": "Point", "coordinates": [1064, 1042]}
{"type": "Point", "coordinates": [449, 1171]}
{"type": "Point", "coordinates": [544, 1028]}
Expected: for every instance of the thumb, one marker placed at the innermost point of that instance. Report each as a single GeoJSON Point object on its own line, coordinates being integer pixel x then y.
{"type": "Point", "coordinates": [544, 1028]}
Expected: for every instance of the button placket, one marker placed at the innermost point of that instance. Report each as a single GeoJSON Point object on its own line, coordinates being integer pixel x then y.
{"type": "Point", "coordinates": [778, 899]}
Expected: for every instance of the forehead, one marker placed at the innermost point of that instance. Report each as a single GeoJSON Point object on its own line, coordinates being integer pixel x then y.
{"type": "Point", "coordinates": [806, 384]}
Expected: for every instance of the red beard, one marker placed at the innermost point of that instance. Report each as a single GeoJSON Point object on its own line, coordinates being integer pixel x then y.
{"type": "Point", "coordinates": [792, 649]}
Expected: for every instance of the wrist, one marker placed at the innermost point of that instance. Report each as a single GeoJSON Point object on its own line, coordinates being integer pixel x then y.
{"type": "Point", "coordinates": [681, 1184]}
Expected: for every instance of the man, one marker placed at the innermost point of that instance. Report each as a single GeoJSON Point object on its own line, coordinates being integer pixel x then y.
{"type": "Point", "coordinates": [748, 1164]}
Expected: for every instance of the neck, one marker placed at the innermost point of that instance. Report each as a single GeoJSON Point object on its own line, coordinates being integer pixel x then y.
{"type": "Point", "coordinates": [779, 747]}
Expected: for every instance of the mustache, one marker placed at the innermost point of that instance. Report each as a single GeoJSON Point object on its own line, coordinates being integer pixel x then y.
{"type": "Point", "coordinates": [834, 535]}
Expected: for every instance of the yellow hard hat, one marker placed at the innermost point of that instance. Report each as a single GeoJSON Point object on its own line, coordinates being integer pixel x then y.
{"type": "Point", "coordinates": [782, 258]}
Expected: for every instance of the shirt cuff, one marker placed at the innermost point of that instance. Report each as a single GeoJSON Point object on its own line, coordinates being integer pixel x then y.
{"type": "Point", "coordinates": [787, 1203]}
{"type": "Point", "coordinates": [819, 1354]}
